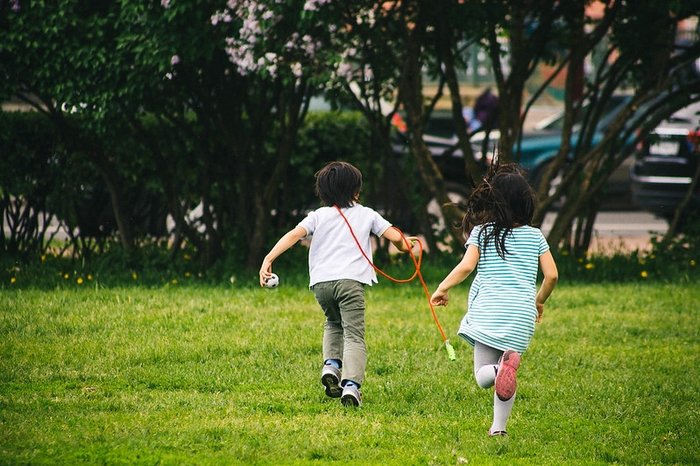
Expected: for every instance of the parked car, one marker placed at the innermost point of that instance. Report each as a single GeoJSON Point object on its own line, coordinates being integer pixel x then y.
{"type": "Point", "coordinates": [665, 163]}
{"type": "Point", "coordinates": [538, 147]}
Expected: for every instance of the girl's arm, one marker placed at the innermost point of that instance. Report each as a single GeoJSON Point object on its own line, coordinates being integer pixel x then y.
{"type": "Point", "coordinates": [287, 241]}
{"type": "Point", "coordinates": [551, 275]}
{"type": "Point", "coordinates": [394, 235]}
{"type": "Point", "coordinates": [457, 276]}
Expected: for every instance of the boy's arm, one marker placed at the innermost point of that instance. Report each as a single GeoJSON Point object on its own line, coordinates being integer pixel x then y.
{"type": "Point", "coordinates": [285, 242]}
{"type": "Point", "coordinates": [551, 276]}
{"type": "Point", "coordinates": [457, 276]}
{"type": "Point", "coordinates": [394, 235]}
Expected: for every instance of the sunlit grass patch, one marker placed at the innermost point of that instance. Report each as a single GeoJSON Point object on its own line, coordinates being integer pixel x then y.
{"type": "Point", "coordinates": [212, 375]}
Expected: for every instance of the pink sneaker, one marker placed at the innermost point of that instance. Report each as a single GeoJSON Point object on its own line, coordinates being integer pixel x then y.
{"type": "Point", "coordinates": [506, 382]}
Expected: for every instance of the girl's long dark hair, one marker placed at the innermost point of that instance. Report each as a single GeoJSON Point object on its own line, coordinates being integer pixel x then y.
{"type": "Point", "coordinates": [502, 201]}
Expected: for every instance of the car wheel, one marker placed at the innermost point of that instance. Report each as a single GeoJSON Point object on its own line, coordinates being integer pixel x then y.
{"type": "Point", "coordinates": [458, 195]}
{"type": "Point", "coordinates": [554, 183]}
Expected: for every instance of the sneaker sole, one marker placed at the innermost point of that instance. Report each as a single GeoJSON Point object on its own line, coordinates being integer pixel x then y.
{"type": "Point", "coordinates": [330, 381]}
{"type": "Point", "coordinates": [349, 400]}
{"type": "Point", "coordinates": [506, 382]}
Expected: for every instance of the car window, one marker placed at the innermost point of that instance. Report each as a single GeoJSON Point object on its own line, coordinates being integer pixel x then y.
{"type": "Point", "coordinates": [613, 106]}
{"type": "Point", "coordinates": [441, 125]}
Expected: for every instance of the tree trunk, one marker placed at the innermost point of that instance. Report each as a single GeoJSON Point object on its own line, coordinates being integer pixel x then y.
{"type": "Point", "coordinates": [680, 212]}
{"type": "Point", "coordinates": [292, 118]}
{"type": "Point", "coordinates": [116, 196]}
{"type": "Point", "coordinates": [411, 94]}
{"type": "Point", "coordinates": [446, 53]}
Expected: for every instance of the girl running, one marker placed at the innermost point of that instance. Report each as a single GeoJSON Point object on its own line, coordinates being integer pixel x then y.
{"type": "Point", "coordinates": [503, 302]}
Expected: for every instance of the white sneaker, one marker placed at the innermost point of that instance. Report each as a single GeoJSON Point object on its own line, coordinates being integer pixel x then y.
{"type": "Point", "coordinates": [351, 396]}
{"type": "Point", "coordinates": [330, 378]}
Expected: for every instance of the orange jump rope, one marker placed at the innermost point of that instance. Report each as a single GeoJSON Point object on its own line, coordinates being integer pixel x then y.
{"type": "Point", "coordinates": [417, 263]}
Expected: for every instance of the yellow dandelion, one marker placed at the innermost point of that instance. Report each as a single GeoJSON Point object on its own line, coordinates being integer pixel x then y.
{"type": "Point", "coordinates": [174, 281]}
{"type": "Point", "coordinates": [79, 281]}
{"type": "Point", "coordinates": [644, 274]}
{"type": "Point", "coordinates": [66, 276]}
{"type": "Point", "coordinates": [43, 258]}
{"type": "Point", "coordinates": [13, 280]}
{"type": "Point", "coordinates": [89, 277]}
{"type": "Point", "coordinates": [134, 276]}
{"type": "Point", "coordinates": [187, 275]}
{"type": "Point", "coordinates": [590, 266]}
{"type": "Point", "coordinates": [693, 263]}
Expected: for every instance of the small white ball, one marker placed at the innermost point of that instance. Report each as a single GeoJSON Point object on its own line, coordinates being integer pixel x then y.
{"type": "Point", "coordinates": [273, 281]}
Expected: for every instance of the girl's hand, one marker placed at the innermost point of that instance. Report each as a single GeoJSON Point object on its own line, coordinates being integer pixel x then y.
{"type": "Point", "coordinates": [440, 298]}
{"type": "Point", "coordinates": [540, 311]}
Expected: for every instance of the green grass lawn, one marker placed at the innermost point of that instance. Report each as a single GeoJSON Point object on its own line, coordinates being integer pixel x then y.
{"type": "Point", "coordinates": [212, 375]}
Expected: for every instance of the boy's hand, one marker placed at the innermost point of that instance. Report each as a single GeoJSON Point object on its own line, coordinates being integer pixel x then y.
{"type": "Point", "coordinates": [540, 311]}
{"type": "Point", "coordinates": [440, 298]}
{"type": "Point", "coordinates": [265, 271]}
{"type": "Point", "coordinates": [413, 241]}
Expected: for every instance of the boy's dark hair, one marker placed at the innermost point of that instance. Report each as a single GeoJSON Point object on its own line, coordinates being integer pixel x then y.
{"type": "Point", "coordinates": [338, 183]}
{"type": "Point", "coordinates": [503, 200]}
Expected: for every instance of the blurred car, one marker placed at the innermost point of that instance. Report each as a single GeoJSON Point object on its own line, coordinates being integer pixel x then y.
{"type": "Point", "coordinates": [538, 147]}
{"type": "Point", "coordinates": [665, 162]}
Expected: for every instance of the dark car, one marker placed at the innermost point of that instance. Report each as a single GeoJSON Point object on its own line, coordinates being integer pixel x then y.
{"type": "Point", "coordinates": [538, 146]}
{"type": "Point", "coordinates": [665, 163]}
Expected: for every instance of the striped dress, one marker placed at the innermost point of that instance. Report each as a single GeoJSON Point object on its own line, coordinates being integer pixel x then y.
{"type": "Point", "coordinates": [501, 307]}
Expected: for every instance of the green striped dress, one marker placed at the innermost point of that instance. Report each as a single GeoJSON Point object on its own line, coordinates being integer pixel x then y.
{"type": "Point", "coordinates": [501, 309]}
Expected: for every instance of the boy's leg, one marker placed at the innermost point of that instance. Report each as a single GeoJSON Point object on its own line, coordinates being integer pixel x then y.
{"type": "Point", "coordinates": [332, 339]}
{"type": "Point", "coordinates": [332, 329]}
{"type": "Point", "coordinates": [350, 296]}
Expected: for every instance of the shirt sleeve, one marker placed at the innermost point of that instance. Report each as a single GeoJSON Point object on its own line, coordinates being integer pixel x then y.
{"type": "Point", "coordinates": [309, 223]}
{"type": "Point", "coordinates": [379, 224]}
{"type": "Point", "coordinates": [474, 237]}
{"type": "Point", "coordinates": [543, 246]}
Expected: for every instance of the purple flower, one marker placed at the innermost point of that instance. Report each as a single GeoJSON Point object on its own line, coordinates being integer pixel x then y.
{"type": "Point", "coordinates": [174, 60]}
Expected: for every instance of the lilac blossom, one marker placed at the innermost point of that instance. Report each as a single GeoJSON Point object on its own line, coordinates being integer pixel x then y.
{"type": "Point", "coordinates": [313, 5]}
{"type": "Point", "coordinates": [256, 46]}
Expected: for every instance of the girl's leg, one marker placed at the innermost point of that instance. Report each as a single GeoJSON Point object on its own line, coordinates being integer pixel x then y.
{"type": "Point", "coordinates": [485, 364]}
{"type": "Point", "coordinates": [501, 413]}
{"type": "Point", "coordinates": [485, 369]}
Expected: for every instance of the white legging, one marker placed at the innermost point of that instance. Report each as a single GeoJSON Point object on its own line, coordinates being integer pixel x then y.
{"type": "Point", "coordinates": [485, 368]}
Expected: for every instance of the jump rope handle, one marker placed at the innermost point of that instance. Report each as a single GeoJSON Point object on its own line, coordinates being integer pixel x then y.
{"type": "Point", "coordinates": [450, 351]}
{"type": "Point", "coordinates": [417, 263]}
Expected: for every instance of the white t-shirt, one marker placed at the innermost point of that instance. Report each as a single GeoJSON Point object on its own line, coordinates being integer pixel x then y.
{"type": "Point", "coordinates": [333, 254]}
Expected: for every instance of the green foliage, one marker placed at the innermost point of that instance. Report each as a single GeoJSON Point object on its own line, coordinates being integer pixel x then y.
{"type": "Point", "coordinates": [38, 162]}
{"type": "Point", "coordinates": [667, 262]}
{"type": "Point", "coordinates": [230, 375]}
